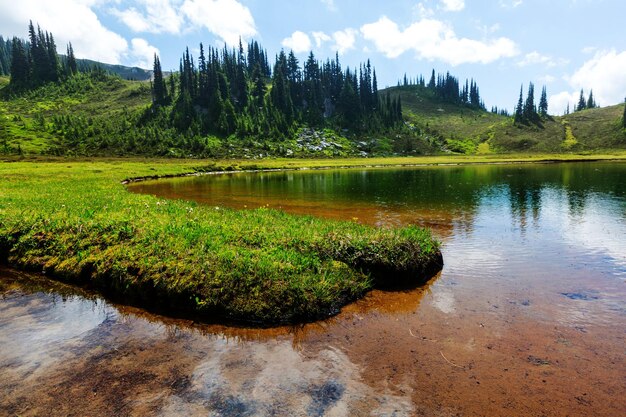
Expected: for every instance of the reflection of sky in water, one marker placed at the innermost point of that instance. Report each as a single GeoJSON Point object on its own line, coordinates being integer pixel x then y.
{"type": "Point", "coordinates": [545, 237]}
{"type": "Point", "coordinates": [36, 333]}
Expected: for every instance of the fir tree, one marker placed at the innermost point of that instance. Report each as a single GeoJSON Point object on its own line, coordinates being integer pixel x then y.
{"type": "Point", "coordinates": [543, 103]}
{"type": "Point", "coordinates": [582, 104]}
{"type": "Point", "coordinates": [591, 104]}
{"type": "Point", "coordinates": [519, 109]}
{"type": "Point", "coordinates": [159, 90]}
{"type": "Point", "coordinates": [432, 83]}
{"type": "Point", "coordinates": [20, 65]}
{"type": "Point", "coordinates": [5, 56]}
{"type": "Point", "coordinates": [529, 111]}
{"type": "Point", "coordinates": [72, 67]}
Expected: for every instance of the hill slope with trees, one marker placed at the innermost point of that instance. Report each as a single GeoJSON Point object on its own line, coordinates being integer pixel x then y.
{"type": "Point", "coordinates": [232, 103]}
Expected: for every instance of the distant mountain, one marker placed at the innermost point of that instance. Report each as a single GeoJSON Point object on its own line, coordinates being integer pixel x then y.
{"type": "Point", "coordinates": [127, 73]}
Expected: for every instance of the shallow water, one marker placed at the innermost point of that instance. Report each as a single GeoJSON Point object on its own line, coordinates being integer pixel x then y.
{"type": "Point", "coordinates": [528, 316]}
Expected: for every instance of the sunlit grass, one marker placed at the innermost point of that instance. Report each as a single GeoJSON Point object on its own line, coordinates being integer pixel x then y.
{"type": "Point", "coordinates": [77, 222]}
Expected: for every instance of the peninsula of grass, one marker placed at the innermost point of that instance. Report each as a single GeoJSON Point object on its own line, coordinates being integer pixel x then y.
{"type": "Point", "coordinates": [76, 222]}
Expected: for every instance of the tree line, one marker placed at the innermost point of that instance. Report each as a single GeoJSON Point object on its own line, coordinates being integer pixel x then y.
{"type": "Point", "coordinates": [37, 62]}
{"type": "Point", "coordinates": [447, 88]}
{"type": "Point", "coordinates": [5, 56]}
{"type": "Point", "coordinates": [526, 112]}
{"type": "Point", "coordinates": [228, 91]}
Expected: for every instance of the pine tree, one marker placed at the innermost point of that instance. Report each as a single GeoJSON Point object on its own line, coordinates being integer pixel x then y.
{"type": "Point", "coordinates": [529, 111]}
{"type": "Point", "coordinates": [5, 56]}
{"type": "Point", "coordinates": [53, 65]}
{"type": "Point", "coordinates": [159, 90]}
{"type": "Point", "coordinates": [591, 104]}
{"type": "Point", "coordinates": [20, 65]}
{"type": "Point", "coordinates": [431, 83]}
{"type": "Point", "coordinates": [567, 111]}
{"type": "Point", "coordinates": [72, 68]}
{"type": "Point", "coordinates": [519, 109]}
{"type": "Point", "coordinates": [543, 103]}
{"type": "Point", "coordinates": [582, 104]}
{"type": "Point", "coordinates": [624, 116]}
{"type": "Point", "coordinates": [258, 86]}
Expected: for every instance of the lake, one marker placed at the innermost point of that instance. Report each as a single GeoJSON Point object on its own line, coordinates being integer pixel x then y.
{"type": "Point", "coordinates": [527, 317]}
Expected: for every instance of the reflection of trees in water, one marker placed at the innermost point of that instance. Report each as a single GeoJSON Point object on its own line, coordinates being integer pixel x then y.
{"type": "Point", "coordinates": [446, 199]}
{"type": "Point", "coordinates": [525, 201]}
{"type": "Point", "coordinates": [574, 182]}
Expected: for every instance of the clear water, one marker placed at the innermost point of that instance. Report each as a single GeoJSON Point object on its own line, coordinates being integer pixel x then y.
{"type": "Point", "coordinates": [528, 316]}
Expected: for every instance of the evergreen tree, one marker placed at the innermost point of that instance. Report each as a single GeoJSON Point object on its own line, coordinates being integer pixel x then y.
{"type": "Point", "coordinates": [529, 111]}
{"type": "Point", "coordinates": [591, 104]}
{"type": "Point", "coordinates": [519, 109]}
{"type": "Point", "coordinates": [20, 65]}
{"type": "Point", "coordinates": [582, 104]}
{"type": "Point", "coordinates": [5, 56]}
{"type": "Point", "coordinates": [53, 65]}
{"type": "Point", "coordinates": [258, 86]}
{"type": "Point", "coordinates": [431, 83]}
{"type": "Point", "coordinates": [72, 67]}
{"type": "Point", "coordinates": [280, 95]}
{"type": "Point", "coordinates": [543, 103]}
{"type": "Point", "coordinates": [159, 90]}
{"type": "Point", "coordinates": [624, 116]}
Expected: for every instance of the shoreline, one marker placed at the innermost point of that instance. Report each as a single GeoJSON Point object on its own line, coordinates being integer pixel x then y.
{"type": "Point", "coordinates": [160, 289]}
{"type": "Point", "coordinates": [301, 164]}
{"type": "Point", "coordinates": [77, 224]}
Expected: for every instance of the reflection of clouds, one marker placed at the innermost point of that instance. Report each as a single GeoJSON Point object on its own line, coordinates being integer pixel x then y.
{"type": "Point", "coordinates": [35, 331]}
{"type": "Point", "coordinates": [273, 379]}
{"type": "Point", "coordinates": [600, 232]}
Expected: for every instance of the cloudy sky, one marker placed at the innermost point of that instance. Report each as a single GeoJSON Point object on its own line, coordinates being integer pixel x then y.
{"type": "Point", "coordinates": [563, 44]}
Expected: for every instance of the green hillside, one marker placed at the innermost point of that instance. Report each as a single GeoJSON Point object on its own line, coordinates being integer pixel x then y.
{"type": "Point", "coordinates": [459, 128]}
{"type": "Point", "coordinates": [99, 114]}
{"type": "Point", "coordinates": [27, 121]}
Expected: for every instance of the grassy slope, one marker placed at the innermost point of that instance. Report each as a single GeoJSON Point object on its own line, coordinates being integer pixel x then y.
{"type": "Point", "coordinates": [483, 132]}
{"type": "Point", "coordinates": [76, 221]}
{"type": "Point", "coordinates": [25, 121]}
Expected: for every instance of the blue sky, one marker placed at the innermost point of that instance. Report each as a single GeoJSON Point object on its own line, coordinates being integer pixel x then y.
{"type": "Point", "coordinates": [563, 44]}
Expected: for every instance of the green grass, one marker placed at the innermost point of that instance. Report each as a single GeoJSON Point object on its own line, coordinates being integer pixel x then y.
{"type": "Point", "coordinates": [25, 120]}
{"type": "Point", "coordinates": [465, 130]}
{"type": "Point", "coordinates": [75, 221]}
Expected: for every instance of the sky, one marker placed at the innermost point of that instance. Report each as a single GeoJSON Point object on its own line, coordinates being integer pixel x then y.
{"type": "Point", "coordinates": [566, 45]}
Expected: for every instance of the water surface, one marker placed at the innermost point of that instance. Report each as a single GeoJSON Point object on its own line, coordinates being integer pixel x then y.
{"type": "Point", "coordinates": [528, 316]}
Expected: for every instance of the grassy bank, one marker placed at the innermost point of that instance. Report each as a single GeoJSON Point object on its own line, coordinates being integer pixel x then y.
{"type": "Point", "coordinates": [76, 222]}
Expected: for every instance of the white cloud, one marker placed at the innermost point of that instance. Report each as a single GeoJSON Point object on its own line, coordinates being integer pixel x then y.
{"type": "Point", "coordinates": [320, 38]}
{"type": "Point", "coordinates": [605, 74]}
{"type": "Point", "coordinates": [453, 5]}
{"type": "Point", "coordinates": [422, 11]}
{"type": "Point", "coordinates": [330, 5]}
{"type": "Point", "coordinates": [557, 103]}
{"type": "Point", "coordinates": [228, 19]}
{"type": "Point", "coordinates": [344, 40]}
{"type": "Point", "coordinates": [156, 16]}
{"type": "Point", "coordinates": [69, 21]}
{"type": "Point", "coordinates": [511, 3]}
{"type": "Point", "coordinates": [432, 39]}
{"type": "Point", "coordinates": [142, 53]}
{"type": "Point", "coordinates": [298, 42]}
{"type": "Point", "coordinates": [536, 58]}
